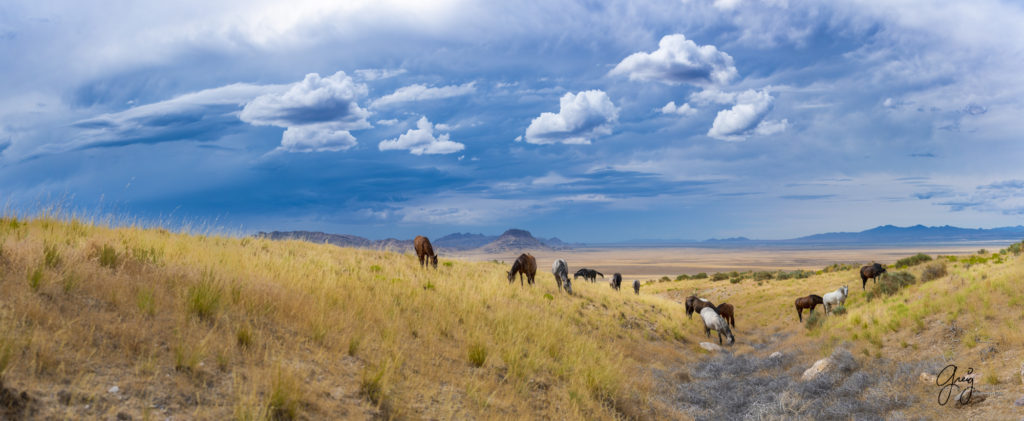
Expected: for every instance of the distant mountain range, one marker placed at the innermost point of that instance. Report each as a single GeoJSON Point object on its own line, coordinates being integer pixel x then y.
{"type": "Point", "coordinates": [511, 240]}
{"type": "Point", "coordinates": [517, 239]}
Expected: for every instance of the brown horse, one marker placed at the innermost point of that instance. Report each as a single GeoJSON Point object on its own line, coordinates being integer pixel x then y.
{"type": "Point", "coordinates": [870, 272]}
{"type": "Point", "coordinates": [727, 311]}
{"type": "Point", "coordinates": [695, 304]}
{"type": "Point", "coordinates": [524, 264]}
{"type": "Point", "coordinates": [425, 251]}
{"type": "Point", "coordinates": [808, 302]}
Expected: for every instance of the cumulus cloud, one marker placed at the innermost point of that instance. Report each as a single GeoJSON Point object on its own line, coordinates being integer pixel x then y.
{"type": "Point", "coordinates": [421, 140]}
{"type": "Point", "coordinates": [679, 60]}
{"type": "Point", "coordinates": [314, 100]}
{"type": "Point", "coordinates": [683, 110]}
{"type": "Point", "coordinates": [1005, 197]}
{"type": "Point", "coordinates": [419, 92]}
{"type": "Point", "coordinates": [581, 117]}
{"type": "Point", "coordinates": [317, 113]}
{"type": "Point", "coordinates": [316, 138]}
{"type": "Point", "coordinates": [746, 117]}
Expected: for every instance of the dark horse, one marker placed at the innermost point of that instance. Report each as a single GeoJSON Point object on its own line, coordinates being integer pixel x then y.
{"type": "Point", "coordinates": [696, 304]}
{"type": "Point", "coordinates": [587, 274]}
{"type": "Point", "coordinates": [616, 281]}
{"type": "Point", "coordinates": [636, 286]}
{"type": "Point", "coordinates": [727, 311]}
{"type": "Point", "coordinates": [870, 272]}
{"type": "Point", "coordinates": [808, 302]}
{"type": "Point", "coordinates": [424, 251]}
{"type": "Point", "coordinates": [524, 264]}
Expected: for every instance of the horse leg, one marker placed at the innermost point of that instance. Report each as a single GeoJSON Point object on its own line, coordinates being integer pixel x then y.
{"type": "Point", "coordinates": [800, 314]}
{"type": "Point", "coordinates": [720, 338]}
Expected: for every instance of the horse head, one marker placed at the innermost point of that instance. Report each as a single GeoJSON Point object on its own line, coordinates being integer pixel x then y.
{"type": "Point", "coordinates": [433, 261]}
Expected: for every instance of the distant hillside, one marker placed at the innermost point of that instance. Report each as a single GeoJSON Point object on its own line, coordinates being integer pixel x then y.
{"type": "Point", "coordinates": [916, 234]}
{"type": "Point", "coordinates": [467, 241]}
{"type": "Point", "coordinates": [515, 239]}
{"type": "Point", "coordinates": [340, 240]}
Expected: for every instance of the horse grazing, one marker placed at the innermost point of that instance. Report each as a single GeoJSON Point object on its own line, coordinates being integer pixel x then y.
{"type": "Point", "coordinates": [727, 311]}
{"type": "Point", "coordinates": [870, 272]}
{"type": "Point", "coordinates": [525, 264]}
{"type": "Point", "coordinates": [587, 274]}
{"type": "Point", "coordinates": [695, 304]}
{"type": "Point", "coordinates": [835, 298]}
{"type": "Point", "coordinates": [636, 286]}
{"type": "Point", "coordinates": [808, 302]}
{"type": "Point", "coordinates": [561, 271]}
{"type": "Point", "coordinates": [616, 281]}
{"type": "Point", "coordinates": [424, 251]}
{"type": "Point", "coordinates": [714, 321]}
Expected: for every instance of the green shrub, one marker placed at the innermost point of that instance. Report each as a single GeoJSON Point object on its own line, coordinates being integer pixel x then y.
{"type": "Point", "coordinates": [702, 275]}
{"type": "Point", "coordinates": [35, 279]}
{"type": "Point", "coordinates": [814, 320]}
{"type": "Point", "coordinates": [933, 271]}
{"type": "Point", "coordinates": [912, 260]}
{"type": "Point", "coordinates": [839, 310]}
{"type": "Point", "coordinates": [448, 264]}
{"type": "Point", "coordinates": [762, 275]}
{"type": "Point", "coordinates": [108, 257]}
{"type": "Point", "coordinates": [682, 277]}
{"type": "Point", "coordinates": [720, 276]}
{"type": "Point", "coordinates": [735, 280]}
{"type": "Point", "coordinates": [664, 279]}
{"type": "Point", "coordinates": [890, 284]}
{"type": "Point", "coordinates": [203, 299]}
{"type": "Point", "coordinates": [51, 256]}
{"type": "Point", "coordinates": [1015, 248]}
{"type": "Point", "coordinates": [477, 354]}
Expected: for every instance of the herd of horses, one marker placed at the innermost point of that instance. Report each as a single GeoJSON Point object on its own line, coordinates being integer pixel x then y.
{"type": "Point", "coordinates": [717, 318]}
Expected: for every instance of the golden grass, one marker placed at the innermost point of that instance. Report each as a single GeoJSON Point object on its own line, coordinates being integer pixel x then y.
{"type": "Point", "coordinates": [217, 327]}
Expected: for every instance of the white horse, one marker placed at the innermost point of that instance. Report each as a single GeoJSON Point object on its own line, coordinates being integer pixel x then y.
{"type": "Point", "coordinates": [837, 297]}
{"type": "Point", "coordinates": [712, 321]}
{"type": "Point", "coordinates": [560, 268]}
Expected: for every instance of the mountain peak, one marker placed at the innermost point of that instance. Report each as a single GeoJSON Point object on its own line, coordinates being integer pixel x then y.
{"type": "Point", "coordinates": [517, 233]}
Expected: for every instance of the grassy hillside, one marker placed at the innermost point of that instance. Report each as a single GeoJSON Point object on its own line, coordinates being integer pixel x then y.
{"type": "Point", "coordinates": [214, 327]}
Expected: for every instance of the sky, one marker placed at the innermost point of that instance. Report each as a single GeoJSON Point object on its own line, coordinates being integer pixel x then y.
{"type": "Point", "coordinates": [592, 121]}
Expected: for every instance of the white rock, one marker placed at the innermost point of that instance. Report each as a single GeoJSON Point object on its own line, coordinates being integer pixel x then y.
{"type": "Point", "coordinates": [819, 367]}
{"type": "Point", "coordinates": [710, 346]}
{"type": "Point", "coordinates": [114, 389]}
{"type": "Point", "coordinates": [775, 354]}
{"type": "Point", "coordinates": [928, 378]}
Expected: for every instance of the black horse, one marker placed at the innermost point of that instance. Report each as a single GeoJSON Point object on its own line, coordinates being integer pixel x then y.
{"type": "Point", "coordinates": [587, 274]}
{"type": "Point", "coordinates": [870, 272]}
{"type": "Point", "coordinates": [616, 281]}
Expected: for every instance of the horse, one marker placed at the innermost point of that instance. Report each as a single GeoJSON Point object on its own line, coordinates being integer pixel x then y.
{"type": "Point", "coordinates": [727, 311]}
{"type": "Point", "coordinates": [696, 304]}
{"type": "Point", "coordinates": [425, 251]}
{"type": "Point", "coordinates": [713, 321]}
{"type": "Point", "coordinates": [808, 302]}
{"type": "Point", "coordinates": [524, 264]}
{"type": "Point", "coordinates": [834, 298]}
{"type": "Point", "coordinates": [587, 274]}
{"type": "Point", "coordinates": [561, 271]}
{"type": "Point", "coordinates": [870, 272]}
{"type": "Point", "coordinates": [616, 281]}
{"type": "Point", "coordinates": [636, 286]}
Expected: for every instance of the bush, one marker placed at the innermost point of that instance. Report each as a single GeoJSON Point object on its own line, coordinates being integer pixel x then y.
{"type": "Point", "coordinates": [664, 279]}
{"type": "Point", "coordinates": [1015, 248]}
{"type": "Point", "coordinates": [814, 319]}
{"type": "Point", "coordinates": [720, 276]}
{"type": "Point", "coordinates": [735, 280]}
{"type": "Point", "coordinates": [477, 354]}
{"type": "Point", "coordinates": [912, 260]}
{"type": "Point", "coordinates": [839, 310]}
{"type": "Point", "coordinates": [890, 284]}
{"type": "Point", "coordinates": [762, 275]}
{"type": "Point", "coordinates": [108, 257]}
{"type": "Point", "coordinates": [682, 277]}
{"type": "Point", "coordinates": [933, 271]}
{"type": "Point", "coordinates": [702, 275]}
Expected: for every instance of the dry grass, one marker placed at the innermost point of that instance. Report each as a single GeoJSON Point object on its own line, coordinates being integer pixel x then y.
{"type": "Point", "coordinates": [217, 327]}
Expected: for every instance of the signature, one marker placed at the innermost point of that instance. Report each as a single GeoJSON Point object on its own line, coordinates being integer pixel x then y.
{"type": "Point", "coordinates": [947, 381]}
